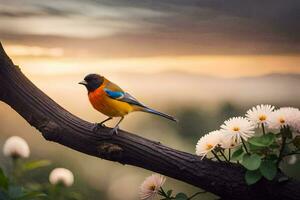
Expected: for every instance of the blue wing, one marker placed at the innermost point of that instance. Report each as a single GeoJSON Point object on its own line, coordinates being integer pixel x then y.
{"type": "Point", "coordinates": [123, 96]}
{"type": "Point", "coordinates": [114, 94]}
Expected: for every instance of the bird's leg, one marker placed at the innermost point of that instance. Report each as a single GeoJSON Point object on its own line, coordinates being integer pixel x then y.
{"type": "Point", "coordinates": [115, 129]}
{"type": "Point", "coordinates": [101, 124]}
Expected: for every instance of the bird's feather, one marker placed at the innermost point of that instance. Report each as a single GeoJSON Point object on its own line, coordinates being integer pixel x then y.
{"type": "Point", "coordinates": [123, 96]}
{"type": "Point", "coordinates": [114, 94]}
{"type": "Point", "coordinates": [113, 87]}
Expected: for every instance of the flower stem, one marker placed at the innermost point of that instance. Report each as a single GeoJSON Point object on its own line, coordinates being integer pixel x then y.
{"type": "Point", "coordinates": [15, 170]}
{"type": "Point", "coordinates": [281, 150]}
{"type": "Point", "coordinates": [196, 194]}
{"type": "Point", "coordinates": [263, 128]}
{"type": "Point", "coordinates": [244, 145]}
{"type": "Point", "coordinates": [161, 192]}
{"type": "Point", "coordinates": [216, 156]}
{"type": "Point", "coordinates": [229, 154]}
{"type": "Point", "coordinates": [222, 153]}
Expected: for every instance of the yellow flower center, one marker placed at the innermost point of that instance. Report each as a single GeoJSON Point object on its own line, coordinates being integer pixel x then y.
{"type": "Point", "coordinates": [152, 187]}
{"type": "Point", "coordinates": [209, 147]}
{"type": "Point", "coordinates": [236, 129]}
{"type": "Point", "coordinates": [281, 120]}
{"type": "Point", "coordinates": [262, 118]}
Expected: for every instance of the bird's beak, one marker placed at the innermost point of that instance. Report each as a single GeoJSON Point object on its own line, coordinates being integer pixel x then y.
{"type": "Point", "coordinates": [82, 82]}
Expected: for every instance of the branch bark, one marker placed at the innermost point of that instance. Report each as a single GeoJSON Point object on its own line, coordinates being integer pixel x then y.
{"type": "Point", "coordinates": [58, 125]}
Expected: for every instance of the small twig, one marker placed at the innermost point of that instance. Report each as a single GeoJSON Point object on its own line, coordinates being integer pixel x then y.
{"type": "Point", "coordinates": [244, 145]}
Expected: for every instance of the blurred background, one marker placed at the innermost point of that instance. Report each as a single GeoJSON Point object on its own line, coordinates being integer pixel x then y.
{"type": "Point", "coordinates": [202, 61]}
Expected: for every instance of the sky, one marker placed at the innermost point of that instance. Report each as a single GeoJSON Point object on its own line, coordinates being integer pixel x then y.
{"type": "Point", "coordinates": [213, 37]}
{"type": "Point", "coordinates": [167, 53]}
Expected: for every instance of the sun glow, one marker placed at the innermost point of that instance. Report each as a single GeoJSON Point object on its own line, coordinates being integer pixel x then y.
{"type": "Point", "coordinates": [221, 66]}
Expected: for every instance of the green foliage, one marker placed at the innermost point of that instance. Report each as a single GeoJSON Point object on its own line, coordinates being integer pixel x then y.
{"type": "Point", "coordinates": [169, 193]}
{"type": "Point", "coordinates": [11, 190]}
{"type": "Point", "coordinates": [296, 141]}
{"type": "Point", "coordinates": [272, 157]}
{"type": "Point", "coordinates": [238, 154]}
{"type": "Point", "coordinates": [268, 169]}
{"type": "Point", "coordinates": [251, 162]}
{"type": "Point", "coordinates": [252, 177]}
{"type": "Point", "coordinates": [33, 165]}
{"type": "Point", "coordinates": [181, 196]}
{"type": "Point", "coordinates": [265, 153]}
{"type": "Point", "coordinates": [4, 181]}
{"type": "Point", "coordinates": [261, 160]}
{"type": "Point", "coordinates": [263, 141]}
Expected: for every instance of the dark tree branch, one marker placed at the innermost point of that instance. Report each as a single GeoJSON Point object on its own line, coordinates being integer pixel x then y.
{"type": "Point", "coordinates": [58, 125]}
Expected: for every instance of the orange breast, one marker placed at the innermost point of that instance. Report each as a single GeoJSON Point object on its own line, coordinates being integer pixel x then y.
{"type": "Point", "coordinates": [107, 105]}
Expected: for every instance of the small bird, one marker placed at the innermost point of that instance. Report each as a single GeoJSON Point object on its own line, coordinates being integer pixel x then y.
{"type": "Point", "coordinates": [109, 99]}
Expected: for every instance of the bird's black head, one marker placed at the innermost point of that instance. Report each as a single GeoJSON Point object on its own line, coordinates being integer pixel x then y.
{"type": "Point", "coordinates": [92, 82]}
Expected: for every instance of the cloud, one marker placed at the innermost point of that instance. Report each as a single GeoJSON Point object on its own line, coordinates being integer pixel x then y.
{"type": "Point", "coordinates": [146, 27]}
{"type": "Point", "coordinates": [34, 51]}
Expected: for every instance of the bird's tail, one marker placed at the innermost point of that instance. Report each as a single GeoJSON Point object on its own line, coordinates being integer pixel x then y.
{"type": "Point", "coordinates": [149, 110]}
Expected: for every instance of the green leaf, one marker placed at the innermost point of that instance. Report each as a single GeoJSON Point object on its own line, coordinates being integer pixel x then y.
{"type": "Point", "coordinates": [252, 177]}
{"type": "Point", "coordinates": [263, 141]}
{"type": "Point", "coordinates": [254, 148]}
{"type": "Point", "coordinates": [169, 193]}
{"type": "Point", "coordinates": [181, 196]}
{"type": "Point", "coordinates": [3, 180]}
{"type": "Point", "coordinates": [32, 195]}
{"type": "Point", "coordinates": [268, 169]}
{"type": "Point", "coordinates": [28, 166]}
{"type": "Point", "coordinates": [251, 162]}
{"type": "Point", "coordinates": [238, 154]}
{"type": "Point", "coordinates": [272, 157]}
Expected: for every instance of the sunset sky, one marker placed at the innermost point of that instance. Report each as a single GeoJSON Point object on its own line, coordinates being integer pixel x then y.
{"type": "Point", "coordinates": [200, 60]}
{"type": "Point", "coordinates": [212, 37]}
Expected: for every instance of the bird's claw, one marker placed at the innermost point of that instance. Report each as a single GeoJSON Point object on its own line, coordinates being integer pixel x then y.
{"type": "Point", "coordinates": [114, 131]}
{"type": "Point", "coordinates": [97, 126]}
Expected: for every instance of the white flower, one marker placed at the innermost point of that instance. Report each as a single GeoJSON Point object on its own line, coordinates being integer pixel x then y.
{"type": "Point", "coordinates": [286, 116]}
{"type": "Point", "coordinates": [61, 175]}
{"type": "Point", "coordinates": [260, 114]}
{"type": "Point", "coordinates": [295, 120]}
{"type": "Point", "coordinates": [151, 186]}
{"type": "Point", "coordinates": [16, 147]}
{"type": "Point", "coordinates": [238, 128]}
{"type": "Point", "coordinates": [207, 143]}
{"type": "Point", "coordinates": [228, 142]}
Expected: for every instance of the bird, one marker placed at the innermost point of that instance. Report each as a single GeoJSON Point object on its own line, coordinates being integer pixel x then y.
{"type": "Point", "coordinates": [109, 99]}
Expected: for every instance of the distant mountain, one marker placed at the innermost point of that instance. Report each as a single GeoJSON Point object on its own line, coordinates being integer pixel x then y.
{"type": "Point", "coordinates": [183, 88]}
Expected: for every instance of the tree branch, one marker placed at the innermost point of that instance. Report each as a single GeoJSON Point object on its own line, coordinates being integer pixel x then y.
{"type": "Point", "coordinates": [58, 125]}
